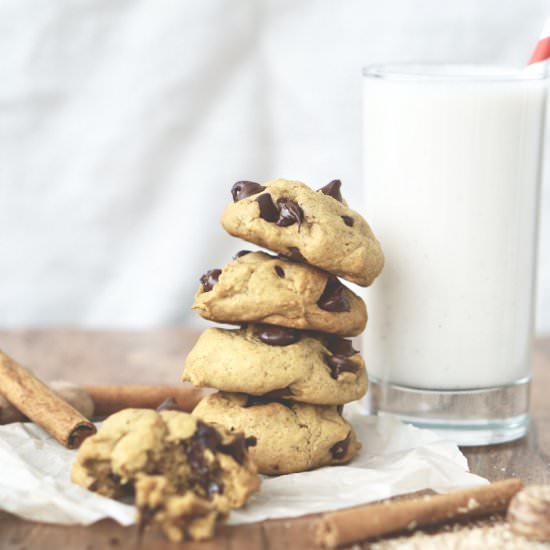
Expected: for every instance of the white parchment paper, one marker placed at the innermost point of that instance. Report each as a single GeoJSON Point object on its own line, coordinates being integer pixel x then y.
{"type": "Point", "coordinates": [395, 459]}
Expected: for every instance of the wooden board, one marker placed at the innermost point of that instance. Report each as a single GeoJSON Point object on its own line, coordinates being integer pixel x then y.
{"type": "Point", "coordinates": [157, 357]}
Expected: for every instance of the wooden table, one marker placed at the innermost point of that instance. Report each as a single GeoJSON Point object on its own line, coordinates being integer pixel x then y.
{"type": "Point", "coordinates": [157, 357]}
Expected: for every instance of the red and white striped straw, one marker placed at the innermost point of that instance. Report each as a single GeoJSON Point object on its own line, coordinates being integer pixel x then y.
{"type": "Point", "coordinates": [542, 49]}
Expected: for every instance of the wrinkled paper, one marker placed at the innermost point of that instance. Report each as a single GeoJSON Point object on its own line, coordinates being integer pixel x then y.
{"type": "Point", "coordinates": [396, 458]}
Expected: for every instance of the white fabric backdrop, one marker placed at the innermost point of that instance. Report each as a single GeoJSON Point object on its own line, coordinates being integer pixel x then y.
{"type": "Point", "coordinates": [123, 125]}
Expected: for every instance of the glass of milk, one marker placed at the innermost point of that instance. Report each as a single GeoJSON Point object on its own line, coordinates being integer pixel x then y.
{"type": "Point", "coordinates": [452, 166]}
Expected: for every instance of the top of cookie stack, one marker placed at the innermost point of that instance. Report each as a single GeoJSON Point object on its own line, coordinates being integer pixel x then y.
{"type": "Point", "coordinates": [285, 374]}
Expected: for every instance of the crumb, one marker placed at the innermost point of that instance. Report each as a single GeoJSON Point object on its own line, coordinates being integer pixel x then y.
{"type": "Point", "coordinates": [479, 535]}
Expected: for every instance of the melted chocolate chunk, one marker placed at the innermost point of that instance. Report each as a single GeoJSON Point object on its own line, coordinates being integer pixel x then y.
{"type": "Point", "coordinates": [210, 278]}
{"type": "Point", "coordinates": [332, 189]}
{"type": "Point", "coordinates": [207, 435]}
{"type": "Point", "coordinates": [333, 298]}
{"type": "Point", "coordinates": [241, 253]}
{"type": "Point", "coordinates": [339, 364]}
{"type": "Point", "coordinates": [236, 449]}
{"type": "Point", "coordinates": [270, 397]}
{"type": "Point", "coordinates": [243, 189]}
{"type": "Point", "coordinates": [274, 335]}
{"type": "Point", "coordinates": [280, 271]}
{"type": "Point", "coordinates": [340, 449]}
{"type": "Point", "coordinates": [348, 221]}
{"type": "Point", "coordinates": [340, 346]}
{"type": "Point", "coordinates": [194, 450]}
{"type": "Point", "coordinates": [289, 213]}
{"type": "Point", "coordinates": [169, 404]}
{"type": "Point", "coordinates": [204, 438]}
{"type": "Point", "coordinates": [268, 210]}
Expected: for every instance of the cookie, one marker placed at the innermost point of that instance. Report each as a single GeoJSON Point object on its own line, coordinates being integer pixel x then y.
{"type": "Point", "coordinates": [185, 475]}
{"type": "Point", "coordinates": [287, 363]}
{"type": "Point", "coordinates": [316, 227]}
{"type": "Point", "coordinates": [291, 437]}
{"type": "Point", "coordinates": [260, 288]}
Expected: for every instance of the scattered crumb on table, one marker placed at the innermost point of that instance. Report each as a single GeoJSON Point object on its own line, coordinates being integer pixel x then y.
{"type": "Point", "coordinates": [477, 536]}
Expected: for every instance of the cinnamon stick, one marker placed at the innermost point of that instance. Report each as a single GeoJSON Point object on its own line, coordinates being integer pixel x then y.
{"type": "Point", "coordinates": [73, 394]}
{"type": "Point", "coordinates": [42, 405]}
{"type": "Point", "coordinates": [110, 398]}
{"type": "Point", "coordinates": [374, 520]}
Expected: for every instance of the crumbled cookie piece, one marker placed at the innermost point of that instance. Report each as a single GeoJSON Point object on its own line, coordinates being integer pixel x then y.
{"type": "Point", "coordinates": [262, 359]}
{"type": "Point", "coordinates": [184, 474]}
{"type": "Point", "coordinates": [261, 288]}
{"type": "Point", "coordinates": [315, 226]}
{"type": "Point", "coordinates": [291, 437]}
{"type": "Point", "coordinates": [179, 515]}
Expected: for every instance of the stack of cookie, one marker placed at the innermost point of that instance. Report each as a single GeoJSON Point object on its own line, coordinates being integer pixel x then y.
{"type": "Point", "coordinates": [286, 373]}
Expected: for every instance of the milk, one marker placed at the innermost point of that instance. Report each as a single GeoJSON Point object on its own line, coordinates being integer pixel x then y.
{"type": "Point", "coordinates": [451, 172]}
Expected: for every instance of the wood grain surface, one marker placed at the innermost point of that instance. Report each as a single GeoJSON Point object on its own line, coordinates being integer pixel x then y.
{"type": "Point", "coordinates": [89, 357]}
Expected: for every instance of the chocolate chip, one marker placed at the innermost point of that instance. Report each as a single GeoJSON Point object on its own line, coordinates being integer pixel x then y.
{"type": "Point", "coordinates": [169, 404]}
{"type": "Point", "coordinates": [348, 220]}
{"type": "Point", "coordinates": [339, 364]}
{"type": "Point", "coordinates": [268, 210]}
{"type": "Point", "coordinates": [340, 449]}
{"type": "Point", "coordinates": [241, 253]}
{"type": "Point", "coordinates": [340, 409]}
{"type": "Point", "coordinates": [340, 346]}
{"type": "Point", "coordinates": [332, 189]}
{"type": "Point", "coordinates": [194, 450]}
{"type": "Point", "coordinates": [333, 298]}
{"type": "Point", "coordinates": [294, 254]}
{"type": "Point", "coordinates": [266, 399]}
{"type": "Point", "coordinates": [207, 435]}
{"type": "Point", "coordinates": [243, 189]}
{"type": "Point", "coordinates": [236, 449]}
{"type": "Point", "coordinates": [274, 335]}
{"type": "Point", "coordinates": [280, 271]}
{"type": "Point", "coordinates": [289, 213]}
{"type": "Point", "coordinates": [210, 278]}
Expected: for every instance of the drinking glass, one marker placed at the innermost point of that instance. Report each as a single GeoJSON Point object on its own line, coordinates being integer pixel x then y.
{"type": "Point", "coordinates": [452, 169]}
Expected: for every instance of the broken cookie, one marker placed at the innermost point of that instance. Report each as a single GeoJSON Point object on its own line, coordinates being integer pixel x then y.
{"type": "Point", "coordinates": [184, 474]}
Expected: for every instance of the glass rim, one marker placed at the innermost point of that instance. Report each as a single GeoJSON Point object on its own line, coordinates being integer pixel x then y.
{"type": "Point", "coordinates": [450, 72]}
